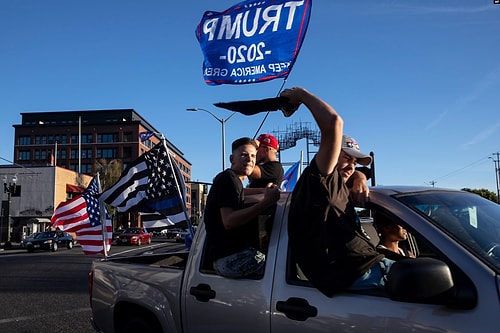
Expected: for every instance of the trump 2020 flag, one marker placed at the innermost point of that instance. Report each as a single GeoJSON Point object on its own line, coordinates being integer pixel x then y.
{"type": "Point", "coordinates": [82, 216]}
{"type": "Point", "coordinates": [253, 41]}
{"type": "Point", "coordinates": [148, 185]}
{"type": "Point", "coordinates": [290, 177]}
{"type": "Point", "coordinates": [146, 135]}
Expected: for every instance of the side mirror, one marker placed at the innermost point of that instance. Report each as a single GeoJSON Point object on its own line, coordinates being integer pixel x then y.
{"type": "Point", "coordinates": [420, 280]}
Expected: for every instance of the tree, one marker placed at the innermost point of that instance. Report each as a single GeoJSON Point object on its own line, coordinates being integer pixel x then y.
{"type": "Point", "coordinates": [487, 194]}
{"type": "Point", "coordinates": [109, 172]}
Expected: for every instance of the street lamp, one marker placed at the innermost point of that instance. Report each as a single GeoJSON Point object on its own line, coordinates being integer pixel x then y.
{"type": "Point", "coordinates": [222, 121]}
{"type": "Point", "coordinates": [9, 188]}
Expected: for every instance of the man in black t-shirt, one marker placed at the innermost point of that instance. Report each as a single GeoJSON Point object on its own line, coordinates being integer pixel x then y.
{"type": "Point", "coordinates": [325, 236]}
{"type": "Point", "coordinates": [231, 225]}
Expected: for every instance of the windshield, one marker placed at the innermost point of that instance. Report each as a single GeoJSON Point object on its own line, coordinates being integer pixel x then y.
{"type": "Point", "coordinates": [470, 219]}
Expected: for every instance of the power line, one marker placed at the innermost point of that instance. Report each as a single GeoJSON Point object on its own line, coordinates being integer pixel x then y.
{"type": "Point", "coordinates": [461, 169]}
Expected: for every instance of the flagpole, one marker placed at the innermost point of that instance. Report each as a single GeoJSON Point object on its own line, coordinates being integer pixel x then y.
{"type": "Point", "coordinates": [190, 226]}
{"type": "Point", "coordinates": [102, 213]}
{"type": "Point", "coordinates": [300, 164]}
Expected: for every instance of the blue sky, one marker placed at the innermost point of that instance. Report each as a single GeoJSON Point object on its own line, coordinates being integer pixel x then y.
{"type": "Point", "coordinates": [416, 81]}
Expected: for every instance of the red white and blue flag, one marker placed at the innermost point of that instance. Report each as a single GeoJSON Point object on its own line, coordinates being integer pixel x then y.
{"type": "Point", "coordinates": [82, 216]}
{"type": "Point", "coordinates": [290, 177]}
{"type": "Point", "coordinates": [253, 41]}
{"type": "Point", "coordinates": [146, 135]}
{"type": "Point", "coordinates": [152, 183]}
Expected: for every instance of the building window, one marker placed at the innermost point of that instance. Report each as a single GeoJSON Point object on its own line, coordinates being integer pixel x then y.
{"type": "Point", "coordinates": [107, 137]}
{"type": "Point", "coordinates": [74, 138]}
{"type": "Point", "coordinates": [62, 139]}
{"type": "Point", "coordinates": [63, 154]}
{"type": "Point", "coordinates": [127, 137]}
{"type": "Point", "coordinates": [24, 155]}
{"type": "Point", "coordinates": [86, 168]}
{"type": "Point", "coordinates": [86, 153]}
{"type": "Point", "coordinates": [127, 152]}
{"type": "Point", "coordinates": [24, 140]}
{"type": "Point", "coordinates": [87, 138]}
{"type": "Point", "coordinates": [107, 153]}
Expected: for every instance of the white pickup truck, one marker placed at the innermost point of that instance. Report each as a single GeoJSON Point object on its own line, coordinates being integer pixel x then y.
{"type": "Point", "coordinates": [452, 286]}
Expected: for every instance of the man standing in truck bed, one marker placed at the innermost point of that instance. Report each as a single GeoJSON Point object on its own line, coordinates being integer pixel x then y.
{"type": "Point", "coordinates": [231, 225]}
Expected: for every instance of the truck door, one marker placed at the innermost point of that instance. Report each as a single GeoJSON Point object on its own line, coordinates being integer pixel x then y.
{"type": "Point", "coordinates": [213, 303]}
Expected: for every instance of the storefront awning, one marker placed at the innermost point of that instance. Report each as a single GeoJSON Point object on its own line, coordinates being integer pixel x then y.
{"type": "Point", "coordinates": [74, 189]}
{"type": "Point", "coordinates": [39, 220]}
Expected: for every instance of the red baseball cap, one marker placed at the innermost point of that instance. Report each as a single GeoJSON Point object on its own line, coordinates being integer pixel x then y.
{"type": "Point", "coordinates": [268, 140]}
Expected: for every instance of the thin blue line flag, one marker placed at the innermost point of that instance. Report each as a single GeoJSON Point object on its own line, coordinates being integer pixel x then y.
{"type": "Point", "coordinates": [253, 41]}
{"type": "Point", "coordinates": [148, 185]}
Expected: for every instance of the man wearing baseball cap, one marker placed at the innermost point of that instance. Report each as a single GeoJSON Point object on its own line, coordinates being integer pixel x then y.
{"type": "Point", "coordinates": [325, 237]}
{"type": "Point", "coordinates": [267, 169]}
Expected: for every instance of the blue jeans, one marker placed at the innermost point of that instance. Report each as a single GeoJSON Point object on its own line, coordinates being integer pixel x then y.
{"type": "Point", "coordinates": [247, 262]}
{"type": "Point", "coordinates": [375, 277]}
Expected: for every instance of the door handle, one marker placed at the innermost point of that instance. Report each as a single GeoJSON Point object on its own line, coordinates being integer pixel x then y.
{"type": "Point", "coordinates": [296, 309]}
{"type": "Point", "coordinates": [202, 292]}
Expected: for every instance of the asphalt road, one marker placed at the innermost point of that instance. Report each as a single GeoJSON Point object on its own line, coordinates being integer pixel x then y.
{"type": "Point", "coordinates": [47, 291]}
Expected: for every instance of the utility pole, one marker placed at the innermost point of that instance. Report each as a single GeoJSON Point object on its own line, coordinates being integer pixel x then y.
{"type": "Point", "coordinates": [497, 173]}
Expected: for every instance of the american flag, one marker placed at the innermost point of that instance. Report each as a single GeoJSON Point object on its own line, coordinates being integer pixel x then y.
{"type": "Point", "coordinates": [82, 216]}
{"type": "Point", "coordinates": [148, 185]}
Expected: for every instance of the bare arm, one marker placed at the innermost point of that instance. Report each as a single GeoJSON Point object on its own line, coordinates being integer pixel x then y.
{"type": "Point", "coordinates": [330, 124]}
{"type": "Point", "coordinates": [359, 190]}
{"type": "Point", "coordinates": [233, 218]}
{"type": "Point", "coordinates": [250, 191]}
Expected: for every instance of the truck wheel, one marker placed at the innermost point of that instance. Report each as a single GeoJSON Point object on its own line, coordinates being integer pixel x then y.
{"type": "Point", "coordinates": [141, 324]}
{"type": "Point", "coordinates": [139, 243]}
{"type": "Point", "coordinates": [54, 247]}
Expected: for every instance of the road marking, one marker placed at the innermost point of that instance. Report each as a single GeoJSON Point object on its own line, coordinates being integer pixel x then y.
{"type": "Point", "coordinates": [52, 314]}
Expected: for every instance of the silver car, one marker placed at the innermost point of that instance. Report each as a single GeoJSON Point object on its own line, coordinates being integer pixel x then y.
{"type": "Point", "coordinates": [452, 286]}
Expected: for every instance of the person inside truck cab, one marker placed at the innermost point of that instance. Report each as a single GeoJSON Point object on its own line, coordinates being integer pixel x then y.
{"type": "Point", "coordinates": [391, 234]}
{"type": "Point", "coordinates": [232, 230]}
{"type": "Point", "coordinates": [325, 235]}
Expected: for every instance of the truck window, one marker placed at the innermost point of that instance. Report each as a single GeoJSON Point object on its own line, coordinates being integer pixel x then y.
{"type": "Point", "coordinates": [264, 224]}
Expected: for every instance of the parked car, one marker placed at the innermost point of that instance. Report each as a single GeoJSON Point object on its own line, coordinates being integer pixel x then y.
{"type": "Point", "coordinates": [170, 233]}
{"type": "Point", "coordinates": [28, 239]}
{"type": "Point", "coordinates": [50, 241]}
{"type": "Point", "coordinates": [180, 236]}
{"type": "Point", "coordinates": [116, 233]}
{"type": "Point", "coordinates": [134, 236]}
